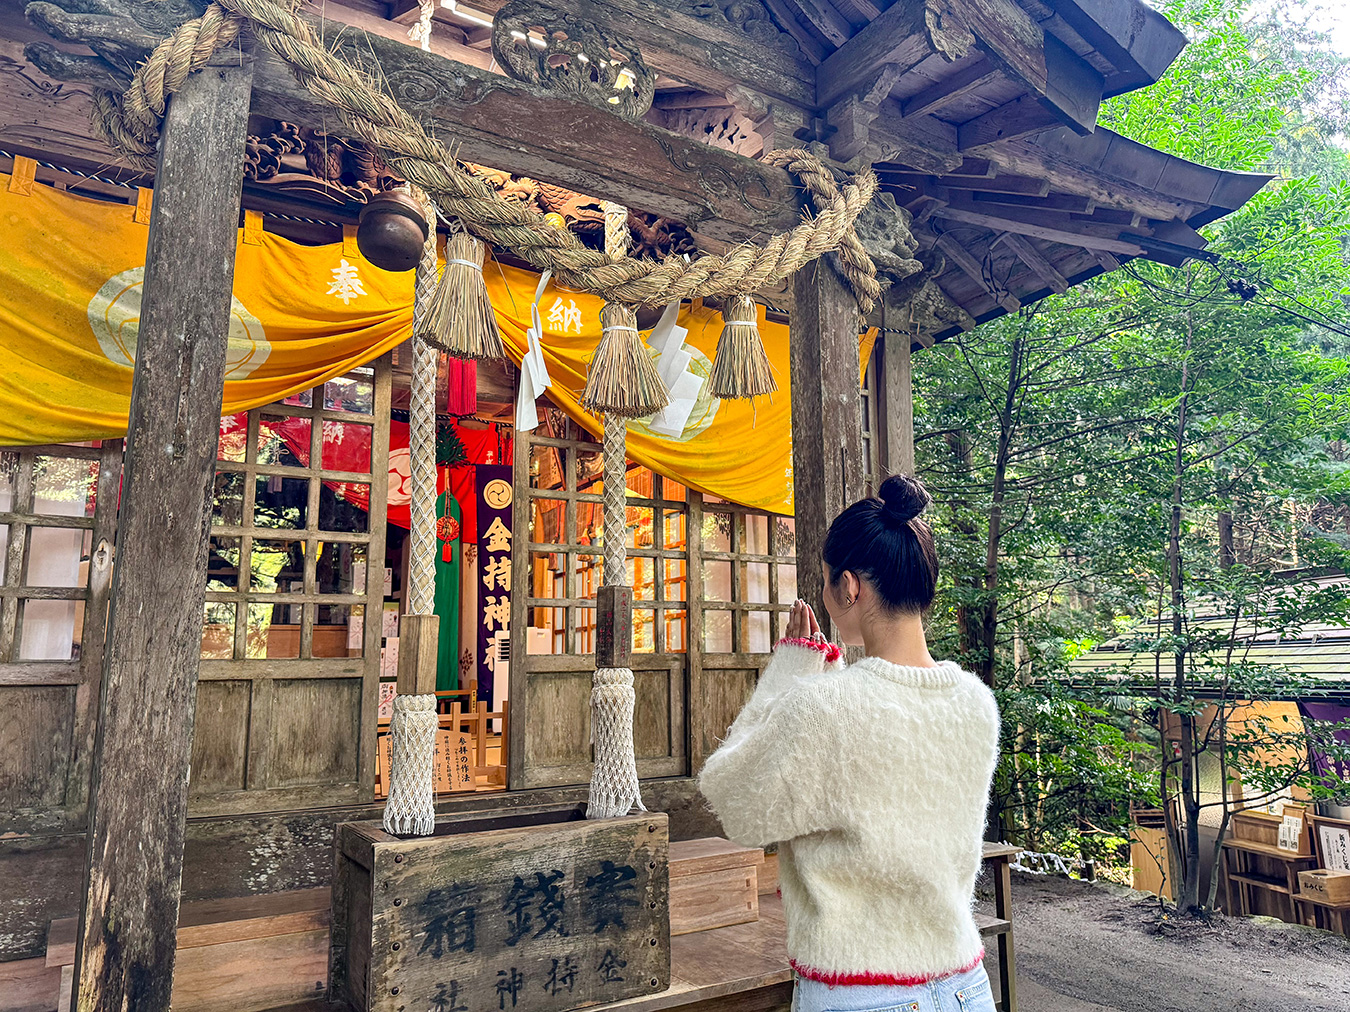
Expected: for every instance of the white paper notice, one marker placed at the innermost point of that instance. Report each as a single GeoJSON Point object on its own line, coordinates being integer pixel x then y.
{"type": "Point", "coordinates": [356, 630]}
{"type": "Point", "coordinates": [390, 627]}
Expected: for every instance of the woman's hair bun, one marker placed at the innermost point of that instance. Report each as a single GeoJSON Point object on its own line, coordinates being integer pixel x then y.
{"type": "Point", "coordinates": [903, 497]}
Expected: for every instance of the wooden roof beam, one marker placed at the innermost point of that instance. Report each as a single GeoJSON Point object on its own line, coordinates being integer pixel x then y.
{"type": "Point", "coordinates": [968, 264]}
{"type": "Point", "coordinates": [904, 35]}
{"type": "Point", "coordinates": [1068, 237]}
{"type": "Point", "coordinates": [1018, 118]}
{"type": "Point", "coordinates": [1034, 259]}
{"type": "Point", "coordinates": [934, 99]}
{"type": "Point", "coordinates": [547, 135]}
{"type": "Point", "coordinates": [910, 31]}
{"type": "Point", "coordinates": [1140, 42]}
{"type": "Point", "coordinates": [1069, 202]}
{"type": "Point", "coordinates": [824, 18]}
{"type": "Point", "coordinates": [1010, 184]}
{"type": "Point", "coordinates": [1065, 85]}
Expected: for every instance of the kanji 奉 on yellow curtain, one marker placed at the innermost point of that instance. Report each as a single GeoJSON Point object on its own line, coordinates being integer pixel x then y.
{"type": "Point", "coordinates": [70, 277]}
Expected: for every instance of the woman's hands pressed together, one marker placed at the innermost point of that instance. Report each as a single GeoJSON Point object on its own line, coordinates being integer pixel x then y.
{"type": "Point", "coordinates": [802, 624]}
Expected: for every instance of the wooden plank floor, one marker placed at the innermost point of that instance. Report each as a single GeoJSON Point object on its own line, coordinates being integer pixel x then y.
{"type": "Point", "coordinates": [744, 967]}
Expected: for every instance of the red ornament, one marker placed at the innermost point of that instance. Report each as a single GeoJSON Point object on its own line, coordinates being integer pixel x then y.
{"type": "Point", "coordinates": [447, 529]}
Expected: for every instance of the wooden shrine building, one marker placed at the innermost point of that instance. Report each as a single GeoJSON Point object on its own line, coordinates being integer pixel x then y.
{"type": "Point", "coordinates": [140, 745]}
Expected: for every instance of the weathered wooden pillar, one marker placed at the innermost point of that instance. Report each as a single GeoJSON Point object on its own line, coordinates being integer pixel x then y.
{"type": "Point", "coordinates": [138, 797]}
{"type": "Point", "coordinates": [896, 414]}
{"type": "Point", "coordinates": [827, 457]}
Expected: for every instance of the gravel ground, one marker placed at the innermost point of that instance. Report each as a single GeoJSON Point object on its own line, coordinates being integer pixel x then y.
{"type": "Point", "coordinates": [1089, 948]}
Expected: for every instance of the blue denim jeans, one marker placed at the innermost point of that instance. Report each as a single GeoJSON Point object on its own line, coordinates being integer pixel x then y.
{"type": "Point", "coordinates": [964, 992]}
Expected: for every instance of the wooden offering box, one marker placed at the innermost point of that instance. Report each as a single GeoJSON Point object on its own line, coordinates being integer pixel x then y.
{"type": "Point", "coordinates": [1327, 886]}
{"type": "Point", "coordinates": [538, 910]}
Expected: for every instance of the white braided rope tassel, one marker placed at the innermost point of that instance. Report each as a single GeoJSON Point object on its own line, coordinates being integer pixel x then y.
{"type": "Point", "coordinates": [409, 810]}
{"type": "Point", "coordinates": [411, 806]}
{"type": "Point", "coordinates": [614, 779]}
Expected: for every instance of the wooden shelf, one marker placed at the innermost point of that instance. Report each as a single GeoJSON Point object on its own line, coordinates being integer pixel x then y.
{"type": "Point", "coordinates": [1263, 881]}
{"type": "Point", "coordinates": [1305, 898]}
{"type": "Point", "coordinates": [1266, 850]}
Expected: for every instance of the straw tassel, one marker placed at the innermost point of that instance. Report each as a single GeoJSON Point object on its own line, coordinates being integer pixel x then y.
{"type": "Point", "coordinates": [462, 322]}
{"type": "Point", "coordinates": [741, 367]}
{"type": "Point", "coordinates": [623, 380]}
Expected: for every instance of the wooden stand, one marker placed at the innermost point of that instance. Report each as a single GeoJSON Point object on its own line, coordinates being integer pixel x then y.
{"type": "Point", "coordinates": [1251, 871]}
{"type": "Point", "coordinates": [539, 910]}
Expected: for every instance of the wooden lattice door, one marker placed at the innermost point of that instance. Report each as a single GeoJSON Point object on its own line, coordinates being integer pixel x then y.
{"type": "Point", "coordinates": [558, 525]}
{"type": "Point", "coordinates": [287, 697]}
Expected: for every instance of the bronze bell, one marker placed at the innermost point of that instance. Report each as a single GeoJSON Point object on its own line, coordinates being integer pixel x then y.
{"type": "Point", "coordinates": [392, 231]}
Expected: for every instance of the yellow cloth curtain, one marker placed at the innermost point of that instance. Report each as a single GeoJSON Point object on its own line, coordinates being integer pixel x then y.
{"type": "Point", "coordinates": [736, 450]}
{"type": "Point", "coordinates": [70, 273]}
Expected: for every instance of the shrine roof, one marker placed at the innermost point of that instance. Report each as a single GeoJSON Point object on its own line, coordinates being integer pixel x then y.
{"type": "Point", "coordinates": [979, 115]}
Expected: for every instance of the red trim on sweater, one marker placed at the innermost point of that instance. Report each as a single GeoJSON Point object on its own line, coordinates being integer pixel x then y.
{"type": "Point", "coordinates": [802, 641]}
{"type": "Point", "coordinates": [832, 653]}
{"type": "Point", "coordinates": [837, 978]}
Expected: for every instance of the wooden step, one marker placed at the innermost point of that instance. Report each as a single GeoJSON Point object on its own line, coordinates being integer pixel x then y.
{"type": "Point", "coordinates": [713, 883]}
{"type": "Point", "coordinates": [245, 954]}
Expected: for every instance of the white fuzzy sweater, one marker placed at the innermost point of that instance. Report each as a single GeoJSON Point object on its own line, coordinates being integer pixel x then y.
{"type": "Point", "coordinates": [873, 780]}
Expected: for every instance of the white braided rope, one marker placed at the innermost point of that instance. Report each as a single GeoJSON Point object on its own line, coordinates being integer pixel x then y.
{"type": "Point", "coordinates": [614, 460]}
{"type": "Point", "coordinates": [411, 805]}
{"type": "Point", "coordinates": [614, 780]}
{"type": "Point", "coordinates": [410, 808]}
{"type": "Point", "coordinates": [422, 447]}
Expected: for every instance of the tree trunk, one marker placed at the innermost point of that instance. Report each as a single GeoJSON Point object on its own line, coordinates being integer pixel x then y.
{"type": "Point", "coordinates": [1227, 553]}
{"type": "Point", "coordinates": [1187, 891]}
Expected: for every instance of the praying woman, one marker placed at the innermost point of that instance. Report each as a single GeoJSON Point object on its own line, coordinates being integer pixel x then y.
{"type": "Point", "coordinates": [872, 779]}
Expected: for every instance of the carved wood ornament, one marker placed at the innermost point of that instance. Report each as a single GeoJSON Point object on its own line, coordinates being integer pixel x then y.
{"type": "Point", "coordinates": [564, 50]}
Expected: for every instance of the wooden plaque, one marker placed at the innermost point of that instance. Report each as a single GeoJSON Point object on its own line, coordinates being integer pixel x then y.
{"type": "Point", "coordinates": [538, 910]}
{"type": "Point", "coordinates": [614, 627]}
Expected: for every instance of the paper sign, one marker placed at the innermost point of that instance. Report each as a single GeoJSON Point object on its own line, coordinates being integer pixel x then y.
{"type": "Point", "coordinates": [452, 765]}
{"type": "Point", "coordinates": [388, 581]}
{"type": "Point", "coordinates": [1335, 848]}
{"type": "Point", "coordinates": [356, 630]}
{"type": "Point", "coordinates": [390, 627]}
{"type": "Point", "coordinates": [387, 692]}
{"type": "Point", "coordinates": [389, 658]}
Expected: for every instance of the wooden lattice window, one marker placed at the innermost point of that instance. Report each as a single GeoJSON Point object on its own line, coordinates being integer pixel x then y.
{"type": "Point", "coordinates": [749, 561]}
{"type": "Point", "coordinates": [291, 534]}
{"type": "Point", "coordinates": [58, 511]}
{"type": "Point", "coordinates": [567, 545]}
